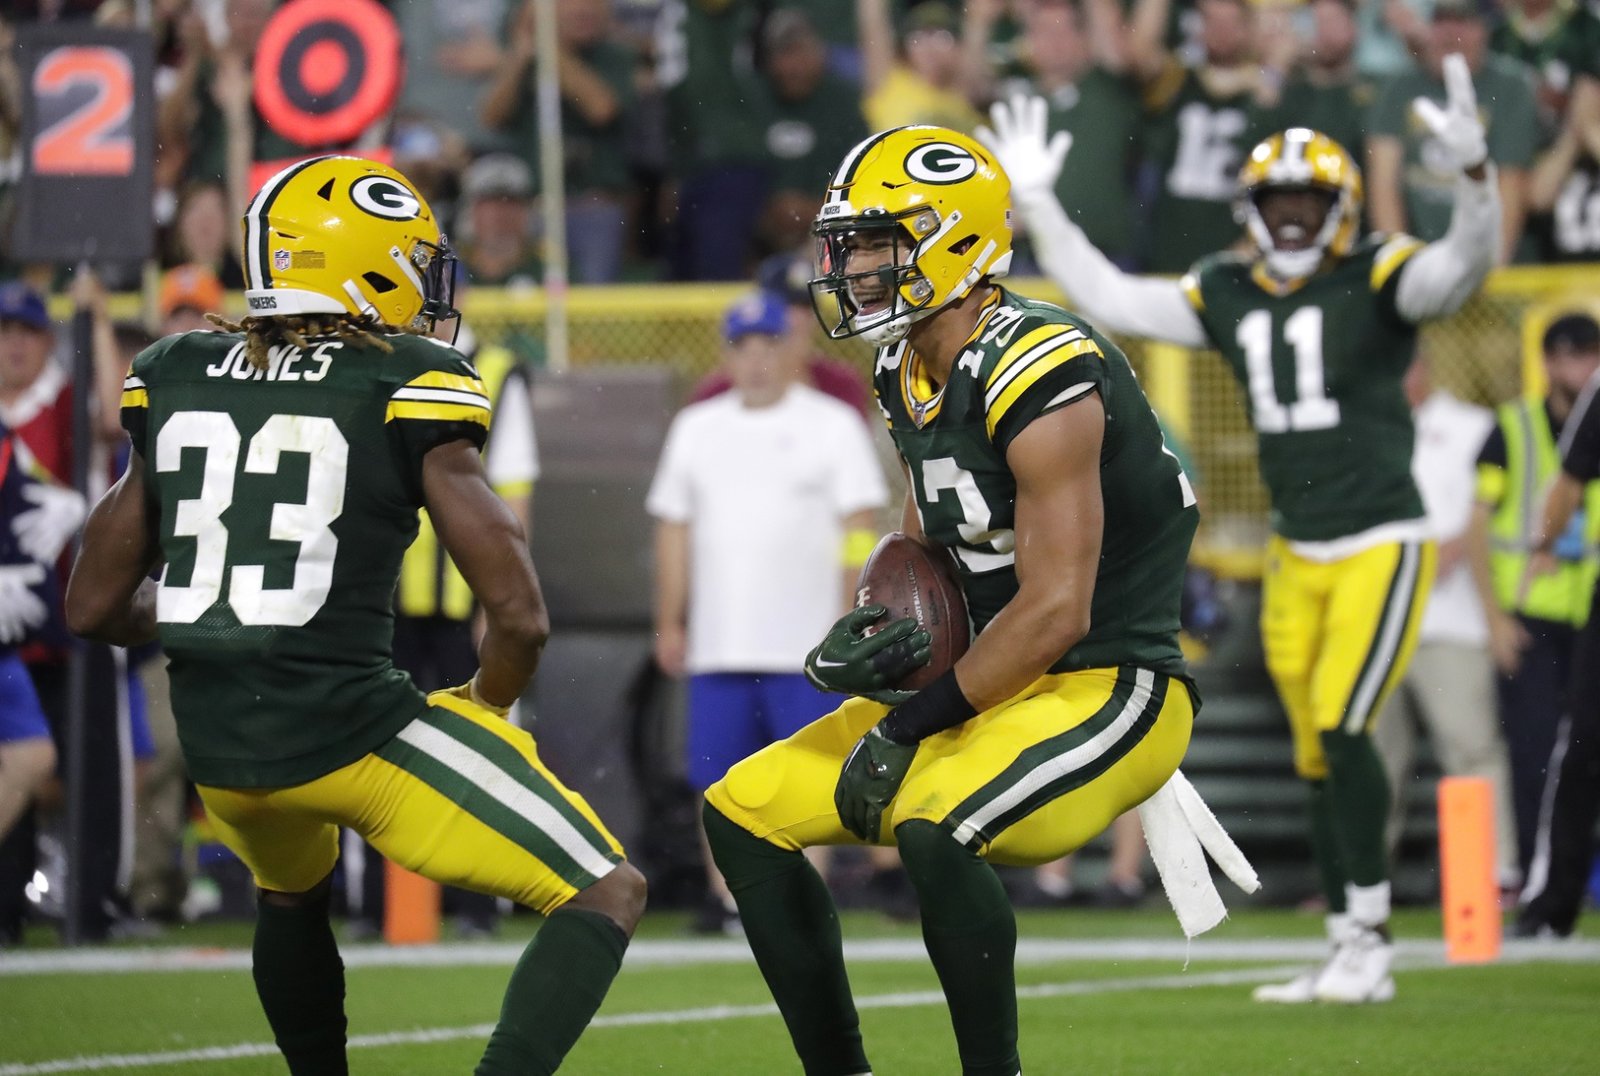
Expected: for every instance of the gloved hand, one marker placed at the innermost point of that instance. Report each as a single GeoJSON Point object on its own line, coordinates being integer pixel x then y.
{"type": "Point", "coordinates": [20, 608]}
{"type": "Point", "coordinates": [469, 692]}
{"type": "Point", "coordinates": [43, 532]}
{"type": "Point", "coordinates": [869, 780]}
{"type": "Point", "coordinates": [1018, 142]}
{"type": "Point", "coordinates": [851, 662]}
{"type": "Point", "coordinates": [1456, 125]}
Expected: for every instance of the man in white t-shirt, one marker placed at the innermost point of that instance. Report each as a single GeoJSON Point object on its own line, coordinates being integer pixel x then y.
{"type": "Point", "coordinates": [766, 500]}
{"type": "Point", "coordinates": [1449, 689]}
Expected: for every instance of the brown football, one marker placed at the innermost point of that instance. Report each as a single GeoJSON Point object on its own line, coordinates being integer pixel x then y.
{"type": "Point", "coordinates": [912, 580]}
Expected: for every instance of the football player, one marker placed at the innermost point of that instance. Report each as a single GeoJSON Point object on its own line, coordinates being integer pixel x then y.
{"type": "Point", "coordinates": [277, 470]}
{"type": "Point", "coordinates": [1034, 458]}
{"type": "Point", "coordinates": [1318, 326]}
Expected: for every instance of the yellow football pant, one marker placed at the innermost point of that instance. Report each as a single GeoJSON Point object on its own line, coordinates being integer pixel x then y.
{"type": "Point", "coordinates": [1339, 635]}
{"type": "Point", "coordinates": [1023, 783]}
{"type": "Point", "coordinates": [459, 796]}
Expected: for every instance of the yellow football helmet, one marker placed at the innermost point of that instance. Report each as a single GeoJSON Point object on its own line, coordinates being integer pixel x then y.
{"type": "Point", "coordinates": [1297, 159]}
{"type": "Point", "coordinates": [940, 202]}
{"type": "Point", "coordinates": [345, 235]}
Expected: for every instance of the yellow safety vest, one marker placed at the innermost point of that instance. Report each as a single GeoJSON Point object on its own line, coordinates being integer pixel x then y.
{"type": "Point", "coordinates": [430, 584]}
{"type": "Point", "coordinates": [1532, 463]}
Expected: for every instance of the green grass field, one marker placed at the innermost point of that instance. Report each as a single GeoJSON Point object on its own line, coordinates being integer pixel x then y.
{"type": "Point", "coordinates": [1101, 992]}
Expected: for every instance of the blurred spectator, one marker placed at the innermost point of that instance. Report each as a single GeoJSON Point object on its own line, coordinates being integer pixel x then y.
{"type": "Point", "coordinates": [1320, 86]}
{"type": "Point", "coordinates": [1559, 40]}
{"type": "Point", "coordinates": [36, 402]}
{"type": "Point", "coordinates": [204, 231]}
{"type": "Point", "coordinates": [1532, 629]}
{"type": "Point", "coordinates": [1391, 34]}
{"type": "Point", "coordinates": [597, 90]}
{"type": "Point", "coordinates": [453, 48]}
{"type": "Point", "coordinates": [1448, 690]}
{"type": "Point", "coordinates": [1564, 190]}
{"type": "Point", "coordinates": [788, 276]}
{"type": "Point", "coordinates": [27, 592]}
{"type": "Point", "coordinates": [1072, 55]}
{"type": "Point", "coordinates": [1199, 126]}
{"type": "Point", "coordinates": [921, 74]}
{"type": "Point", "coordinates": [187, 294]}
{"type": "Point", "coordinates": [496, 247]}
{"type": "Point", "coordinates": [1410, 180]}
{"type": "Point", "coordinates": [719, 158]}
{"type": "Point", "coordinates": [771, 474]}
{"type": "Point", "coordinates": [813, 118]}
{"type": "Point", "coordinates": [434, 157]}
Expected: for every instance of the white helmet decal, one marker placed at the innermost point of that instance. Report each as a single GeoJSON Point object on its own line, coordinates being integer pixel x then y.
{"type": "Point", "coordinates": [383, 197]}
{"type": "Point", "coordinates": [940, 162]}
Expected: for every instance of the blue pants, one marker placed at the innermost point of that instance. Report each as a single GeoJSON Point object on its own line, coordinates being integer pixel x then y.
{"type": "Point", "coordinates": [734, 715]}
{"type": "Point", "coordinates": [21, 716]}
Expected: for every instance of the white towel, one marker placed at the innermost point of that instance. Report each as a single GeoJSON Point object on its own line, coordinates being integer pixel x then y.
{"type": "Point", "coordinates": [1180, 830]}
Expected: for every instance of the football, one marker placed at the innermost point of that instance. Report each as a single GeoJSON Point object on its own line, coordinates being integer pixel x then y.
{"type": "Point", "coordinates": [912, 580]}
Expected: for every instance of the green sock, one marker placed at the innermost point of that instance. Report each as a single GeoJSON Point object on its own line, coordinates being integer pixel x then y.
{"type": "Point", "coordinates": [793, 930]}
{"type": "Point", "coordinates": [1325, 845]}
{"type": "Point", "coordinates": [1361, 803]}
{"type": "Point", "coordinates": [559, 981]}
{"type": "Point", "coordinates": [300, 980]}
{"type": "Point", "coordinates": [971, 935]}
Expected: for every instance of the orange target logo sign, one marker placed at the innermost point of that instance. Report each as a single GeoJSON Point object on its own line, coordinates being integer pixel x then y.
{"type": "Point", "coordinates": [326, 70]}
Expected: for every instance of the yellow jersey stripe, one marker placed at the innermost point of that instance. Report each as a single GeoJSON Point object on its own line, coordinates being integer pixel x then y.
{"type": "Point", "coordinates": [1064, 342]}
{"type": "Point", "coordinates": [1025, 345]}
{"type": "Point", "coordinates": [439, 379]}
{"type": "Point", "coordinates": [1029, 376]}
{"type": "Point", "coordinates": [1391, 256]}
{"type": "Point", "coordinates": [135, 398]}
{"type": "Point", "coordinates": [437, 412]}
{"type": "Point", "coordinates": [1191, 291]}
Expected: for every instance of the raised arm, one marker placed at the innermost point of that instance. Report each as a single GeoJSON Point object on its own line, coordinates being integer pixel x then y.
{"type": "Point", "coordinates": [875, 30]}
{"type": "Point", "coordinates": [1146, 38]}
{"type": "Point", "coordinates": [1115, 301]}
{"type": "Point", "coordinates": [1445, 273]}
{"type": "Point", "coordinates": [490, 548]}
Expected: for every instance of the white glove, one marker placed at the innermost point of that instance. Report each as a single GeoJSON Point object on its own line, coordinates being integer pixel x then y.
{"type": "Point", "coordinates": [20, 608]}
{"type": "Point", "coordinates": [1018, 142]}
{"type": "Point", "coordinates": [43, 532]}
{"type": "Point", "coordinates": [1456, 125]}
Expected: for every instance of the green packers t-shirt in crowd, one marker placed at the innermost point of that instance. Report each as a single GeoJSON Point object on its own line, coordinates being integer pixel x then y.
{"type": "Point", "coordinates": [807, 138]}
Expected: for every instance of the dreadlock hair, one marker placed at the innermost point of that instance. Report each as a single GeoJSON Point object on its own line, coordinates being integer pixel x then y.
{"type": "Point", "coordinates": [262, 334]}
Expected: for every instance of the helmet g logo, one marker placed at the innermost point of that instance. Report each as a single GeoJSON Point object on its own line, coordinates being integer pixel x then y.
{"type": "Point", "coordinates": [383, 197]}
{"type": "Point", "coordinates": [940, 162]}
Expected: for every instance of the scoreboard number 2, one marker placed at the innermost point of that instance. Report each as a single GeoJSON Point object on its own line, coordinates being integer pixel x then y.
{"type": "Point", "coordinates": [84, 97]}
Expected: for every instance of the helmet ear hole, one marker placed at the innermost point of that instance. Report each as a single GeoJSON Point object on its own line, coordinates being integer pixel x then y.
{"type": "Point", "coordinates": [964, 244]}
{"type": "Point", "coordinates": [379, 283]}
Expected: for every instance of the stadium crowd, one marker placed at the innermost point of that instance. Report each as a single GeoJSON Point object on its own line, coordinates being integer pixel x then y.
{"type": "Point", "coordinates": [697, 133]}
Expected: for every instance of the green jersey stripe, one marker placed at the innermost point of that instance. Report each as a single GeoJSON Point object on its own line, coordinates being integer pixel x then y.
{"type": "Point", "coordinates": [502, 773]}
{"type": "Point", "coordinates": [1056, 766]}
{"type": "Point", "coordinates": [482, 805]}
{"type": "Point", "coordinates": [1397, 607]}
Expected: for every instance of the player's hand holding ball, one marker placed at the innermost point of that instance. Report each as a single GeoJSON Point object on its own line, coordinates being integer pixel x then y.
{"type": "Point", "coordinates": [853, 660]}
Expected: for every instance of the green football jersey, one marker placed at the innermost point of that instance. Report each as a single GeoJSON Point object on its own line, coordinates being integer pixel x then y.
{"type": "Point", "coordinates": [1198, 141]}
{"type": "Point", "coordinates": [284, 500]}
{"type": "Point", "coordinates": [1025, 359]}
{"type": "Point", "coordinates": [1321, 367]}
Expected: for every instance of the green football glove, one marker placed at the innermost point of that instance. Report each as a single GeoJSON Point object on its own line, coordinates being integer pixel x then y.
{"type": "Point", "coordinates": [870, 778]}
{"type": "Point", "coordinates": [851, 662]}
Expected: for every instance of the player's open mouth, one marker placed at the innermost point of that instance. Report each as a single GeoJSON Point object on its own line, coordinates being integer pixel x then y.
{"type": "Point", "coordinates": [1292, 237]}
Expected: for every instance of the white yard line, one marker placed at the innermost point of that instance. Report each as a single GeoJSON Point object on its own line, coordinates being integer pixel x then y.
{"type": "Point", "coordinates": [1030, 950]}
{"type": "Point", "coordinates": [648, 953]}
{"type": "Point", "coordinates": [710, 1014]}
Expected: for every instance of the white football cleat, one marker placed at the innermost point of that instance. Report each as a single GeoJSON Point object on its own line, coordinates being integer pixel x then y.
{"type": "Point", "coordinates": [1301, 990]}
{"type": "Point", "coordinates": [1359, 971]}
